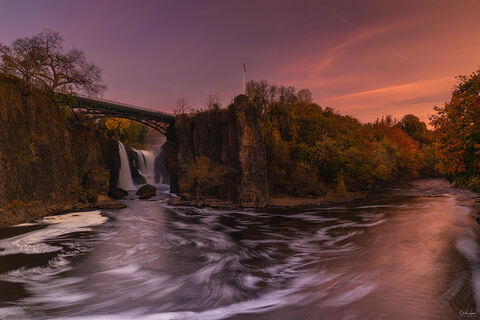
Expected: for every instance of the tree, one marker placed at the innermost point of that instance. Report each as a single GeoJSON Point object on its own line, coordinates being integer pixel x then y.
{"type": "Point", "coordinates": [181, 106]}
{"type": "Point", "coordinates": [265, 96]}
{"type": "Point", "coordinates": [457, 133]}
{"type": "Point", "coordinates": [383, 125]}
{"type": "Point", "coordinates": [415, 128]}
{"type": "Point", "coordinates": [125, 130]}
{"type": "Point", "coordinates": [213, 102]}
{"type": "Point", "coordinates": [305, 96]}
{"type": "Point", "coordinates": [41, 61]}
{"type": "Point", "coordinates": [261, 94]}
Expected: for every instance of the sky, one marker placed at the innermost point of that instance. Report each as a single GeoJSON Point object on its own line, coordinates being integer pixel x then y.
{"type": "Point", "coordinates": [365, 58]}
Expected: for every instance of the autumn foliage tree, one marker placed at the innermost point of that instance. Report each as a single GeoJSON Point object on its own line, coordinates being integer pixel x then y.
{"type": "Point", "coordinates": [313, 150]}
{"type": "Point", "coordinates": [457, 133]}
{"type": "Point", "coordinates": [125, 130]}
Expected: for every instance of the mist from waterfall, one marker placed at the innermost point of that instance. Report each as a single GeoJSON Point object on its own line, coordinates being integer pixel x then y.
{"type": "Point", "coordinates": [146, 165]}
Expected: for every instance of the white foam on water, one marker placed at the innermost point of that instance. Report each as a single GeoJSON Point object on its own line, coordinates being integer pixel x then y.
{"type": "Point", "coordinates": [467, 245]}
{"type": "Point", "coordinates": [268, 302]}
{"type": "Point", "coordinates": [125, 270]}
{"type": "Point", "coordinates": [33, 242]}
{"type": "Point", "coordinates": [350, 296]}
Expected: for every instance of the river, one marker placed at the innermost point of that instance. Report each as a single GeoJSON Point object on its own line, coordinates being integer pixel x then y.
{"type": "Point", "coordinates": [410, 252]}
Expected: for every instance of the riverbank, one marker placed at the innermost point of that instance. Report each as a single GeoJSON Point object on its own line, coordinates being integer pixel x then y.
{"type": "Point", "coordinates": [287, 201]}
{"type": "Point", "coordinates": [275, 201]}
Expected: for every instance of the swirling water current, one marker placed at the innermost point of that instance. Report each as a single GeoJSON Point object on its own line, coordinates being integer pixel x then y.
{"type": "Point", "coordinates": [410, 252]}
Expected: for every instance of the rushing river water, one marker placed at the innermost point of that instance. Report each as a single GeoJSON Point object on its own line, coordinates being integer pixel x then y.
{"type": "Point", "coordinates": [406, 253]}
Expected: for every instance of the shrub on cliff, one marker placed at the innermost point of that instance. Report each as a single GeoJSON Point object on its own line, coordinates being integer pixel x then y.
{"type": "Point", "coordinates": [203, 176]}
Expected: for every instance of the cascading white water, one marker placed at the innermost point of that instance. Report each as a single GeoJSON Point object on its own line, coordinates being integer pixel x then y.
{"type": "Point", "coordinates": [125, 175]}
{"type": "Point", "coordinates": [146, 164]}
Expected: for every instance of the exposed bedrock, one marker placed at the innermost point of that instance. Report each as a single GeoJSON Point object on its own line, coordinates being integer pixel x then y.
{"type": "Point", "coordinates": [219, 157]}
{"type": "Point", "coordinates": [45, 167]}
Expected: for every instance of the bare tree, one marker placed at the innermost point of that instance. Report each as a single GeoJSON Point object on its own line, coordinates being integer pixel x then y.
{"type": "Point", "coordinates": [181, 106]}
{"type": "Point", "coordinates": [213, 102]}
{"type": "Point", "coordinates": [41, 61]}
{"type": "Point", "coordinates": [305, 96]}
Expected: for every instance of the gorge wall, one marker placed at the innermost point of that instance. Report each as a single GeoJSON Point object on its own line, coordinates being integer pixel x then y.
{"type": "Point", "coordinates": [45, 167]}
{"type": "Point", "coordinates": [219, 157]}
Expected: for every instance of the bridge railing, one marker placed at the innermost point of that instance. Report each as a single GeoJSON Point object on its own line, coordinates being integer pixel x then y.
{"type": "Point", "coordinates": [123, 104]}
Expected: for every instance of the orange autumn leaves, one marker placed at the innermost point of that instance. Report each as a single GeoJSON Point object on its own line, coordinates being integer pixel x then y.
{"type": "Point", "coordinates": [312, 150]}
{"type": "Point", "coordinates": [457, 132]}
{"type": "Point", "coordinates": [127, 131]}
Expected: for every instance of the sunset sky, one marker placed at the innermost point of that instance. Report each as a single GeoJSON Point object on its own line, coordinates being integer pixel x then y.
{"type": "Point", "coordinates": [364, 58]}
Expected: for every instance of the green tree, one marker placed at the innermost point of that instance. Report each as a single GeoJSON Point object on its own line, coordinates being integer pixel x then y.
{"type": "Point", "coordinates": [415, 128]}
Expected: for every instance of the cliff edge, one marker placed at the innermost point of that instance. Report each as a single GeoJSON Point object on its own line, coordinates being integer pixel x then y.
{"type": "Point", "coordinates": [45, 167]}
{"type": "Point", "coordinates": [218, 157]}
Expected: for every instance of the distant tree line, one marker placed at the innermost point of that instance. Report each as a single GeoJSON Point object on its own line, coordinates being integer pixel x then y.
{"type": "Point", "coordinates": [312, 150]}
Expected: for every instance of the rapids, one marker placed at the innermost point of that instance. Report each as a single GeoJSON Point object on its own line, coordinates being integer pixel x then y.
{"type": "Point", "coordinates": [410, 252]}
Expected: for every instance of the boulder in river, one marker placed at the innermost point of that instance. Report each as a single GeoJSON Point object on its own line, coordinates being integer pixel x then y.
{"type": "Point", "coordinates": [104, 202]}
{"type": "Point", "coordinates": [147, 191]}
{"type": "Point", "coordinates": [118, 193]}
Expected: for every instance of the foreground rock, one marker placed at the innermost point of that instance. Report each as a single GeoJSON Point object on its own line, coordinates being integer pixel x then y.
{"type": "Point", "coordinates": [147, 191]}
{"type": "Point", "coordinates": [104, 202]}
{"type": "Point", "coordinates": [219, 155]}
{"type": "Point", "coordinates": [118, 193]}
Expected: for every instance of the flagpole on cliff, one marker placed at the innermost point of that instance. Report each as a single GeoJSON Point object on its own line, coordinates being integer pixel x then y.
{"type": "Point", "coordinates": [244, 73]}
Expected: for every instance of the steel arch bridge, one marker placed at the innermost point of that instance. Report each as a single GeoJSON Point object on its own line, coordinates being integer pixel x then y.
{"type": "Point", "coordinates": [96, 108]}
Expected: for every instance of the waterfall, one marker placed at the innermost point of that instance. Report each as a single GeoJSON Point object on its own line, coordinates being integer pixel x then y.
{"type": "Point", "coordinates": [146, 164]}
{"type": "Point", "coordinates": [125, 175]}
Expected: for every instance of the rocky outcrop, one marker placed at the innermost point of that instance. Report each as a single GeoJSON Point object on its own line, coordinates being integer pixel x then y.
{"type": "Point", "coordinates": [219, 157]}
{"type": "Point", "coordinates": [146, 192]}
{"type": "Point", "coordinates": [104, 202]}
{"type": "Point", "coordinates": [45, 167]}
{"type": "Point", "coordinates": [133, 160]}
{"type": "Point", "coordinates": [161, 172]}
{"type": "Point", "coordinates": [117, 193]}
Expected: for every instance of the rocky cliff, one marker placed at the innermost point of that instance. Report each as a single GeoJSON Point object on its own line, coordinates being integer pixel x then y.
{"type": "Point", "coordinates": [45, 167]}
{"type": "Point", "coordinates": [219, 157]}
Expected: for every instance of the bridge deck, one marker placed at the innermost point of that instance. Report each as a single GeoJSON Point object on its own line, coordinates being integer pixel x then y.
{"type": "Point", "coordinates": [114, 107]}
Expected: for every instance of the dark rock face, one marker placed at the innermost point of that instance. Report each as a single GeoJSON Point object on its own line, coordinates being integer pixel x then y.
{"type": "Point", "coordinates": [147, 191]}
{"type": "Point", "coordinates": [219, 155]}
{"type": "Point", "coordinates": [161, 172]}
{"type": "Point", "coordinates": [43, 166]}
{"type": "Point", "coordinates": [133, 160]}
{"type": "Point", "coordinates": [117, 193]}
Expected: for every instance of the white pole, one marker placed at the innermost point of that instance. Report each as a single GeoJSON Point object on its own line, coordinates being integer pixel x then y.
{"type": "Point", "coordinates": [244, 73]}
